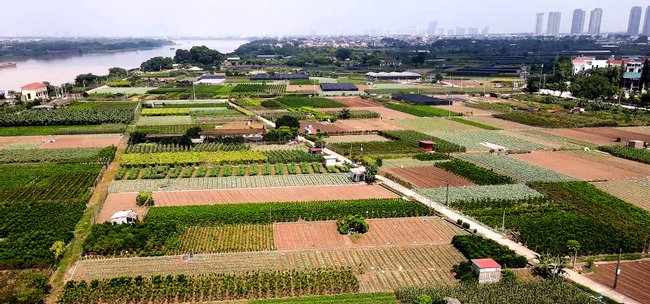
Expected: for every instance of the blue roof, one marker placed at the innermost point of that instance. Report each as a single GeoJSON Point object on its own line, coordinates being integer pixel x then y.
{"type": "Point", "coordinates": [630, 75]}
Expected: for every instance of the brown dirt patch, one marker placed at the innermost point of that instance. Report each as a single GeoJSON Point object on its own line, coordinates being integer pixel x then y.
{"type": "Point", "coordinates": [601, 136]}
{"type": "Point", "coordinates": [588, 166]}
{"type": "Point", "coordinates": [291, 194]}
{"type": "Point", "coordinates": [356, 102]}
{"type": "Point", "coordinates": [430, 177]}
{"type": "Point", "coordinates": [303, 88]}
{"type": "Point", "coordinates": [390, 114]}
{"type": "Point", "coordinates": [352, 125]}
{"type": "Point", "coordinates": [633, 281]}
{"type": "Point", "coordinates": [64, 141]}
{"type": "Point", "coordinates": [383, 232]}
{"type": "Point", "coordinates": [461, 107]}
{"type": "Point", "coordinates": [117, 202]}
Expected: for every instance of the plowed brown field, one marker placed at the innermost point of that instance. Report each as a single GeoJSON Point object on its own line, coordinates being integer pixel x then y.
{"type": "Point", "coordinates": [390, 114]}
{"type": "Point", "coordinates": [601, 136]}
{"type": "Point", "coordinates": [588, 166]}
{"type": "Point", "coordinates": [63, 141]}
{"type": "Point", "coordinates": [352, 125]}
{"type": "Point", "coordinates": [430, 177]}
{"type": "Point", "coordinates": [356, 102]}
{"type": "Point", "coordinates": [291, 194]}
{"type": "Point", "coordinates": [383, 232]}
{"type": "Point", "coordinates": [633, 281]}
{"type": "Point", "coordinates": [117, 202]}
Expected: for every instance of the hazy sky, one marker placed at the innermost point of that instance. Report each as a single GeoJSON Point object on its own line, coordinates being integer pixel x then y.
{"type": "Point", "coordinates": [282, 17]}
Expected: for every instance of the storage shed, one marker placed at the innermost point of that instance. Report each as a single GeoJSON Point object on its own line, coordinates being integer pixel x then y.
{"type": "Point", "coordinates": [428, 145]}
{"type": "Point", "coordinates": [636, 144]}
{"type": "Point", "coordinates": [487, 270]}
{"type": "Point", "coordinates": [124, 217]}
{"type": "Point", "coordinates": [358, 174]}
{"type": "Point", "coordinates": [330, 161]}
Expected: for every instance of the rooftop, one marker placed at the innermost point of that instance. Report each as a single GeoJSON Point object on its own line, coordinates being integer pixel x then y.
{"type": "Point", "coordinates": [486, 263]}
{"type": "Point", "coordinates": [33, 85]}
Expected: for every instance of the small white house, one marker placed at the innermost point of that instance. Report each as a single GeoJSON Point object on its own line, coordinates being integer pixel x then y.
{"type": "Point", "coordinates": [124, 217]}
{"type": "Point", "coordinates": [330, 161]}
{"type": "Point", "coordinates": [211, 80]}
{"type": "Point", "coordinates": [34, 91]}
{"type": "Point", "coordinates": [358, 174]}
{"type": "Point", "coordinates": [487, 270]}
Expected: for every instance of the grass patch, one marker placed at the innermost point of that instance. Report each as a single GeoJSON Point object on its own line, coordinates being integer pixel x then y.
{"type": "Point", "coordinates": [421, 111]}
{"type": "Point", "coordinates": [475, 124]}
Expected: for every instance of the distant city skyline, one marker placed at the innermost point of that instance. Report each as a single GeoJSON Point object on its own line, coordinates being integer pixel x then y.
{"type": "Point", "coordinates": [218, 18]}
{"type": "Point", "coordinates": [578, 22]}
{"type": "Point", "coordinates": [595, 21]}
{"type": "Point", "coordinates": [634, 21]}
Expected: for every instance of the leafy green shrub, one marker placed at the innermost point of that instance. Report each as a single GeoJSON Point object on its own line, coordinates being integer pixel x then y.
{"type": "Point", "coordinates": [421, 111]}
{"type": "Point", "coordinates": [476, 247]}
{"type": "Point", "coordinates": [430, 156]}
{"type": "Point", "coordinates": [474, 173]}
{"type": "Point", "coordinates": [352, 223]}
{"type": "Point", "coordinates": [144, 199]}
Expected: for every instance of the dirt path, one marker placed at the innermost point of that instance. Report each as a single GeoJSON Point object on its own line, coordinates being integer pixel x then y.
{"type": "Point", "coordinates": [82, 230]}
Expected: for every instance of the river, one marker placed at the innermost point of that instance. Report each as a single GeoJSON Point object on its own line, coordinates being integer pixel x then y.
{"type": "Point", "coordinates": [64, 69]}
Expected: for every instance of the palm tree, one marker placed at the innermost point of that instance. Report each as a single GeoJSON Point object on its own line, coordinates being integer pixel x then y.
{"type": "Point", "coordinates": [574, 246]}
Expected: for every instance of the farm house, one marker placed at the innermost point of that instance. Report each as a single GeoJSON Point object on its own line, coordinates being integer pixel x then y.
{"type": "Point", "coordinates": [486, 270]}
{"type": "Point", "coordinates": [124, 217]}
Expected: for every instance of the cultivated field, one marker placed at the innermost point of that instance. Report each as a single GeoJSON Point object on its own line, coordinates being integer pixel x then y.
{"type": "Point", "coordinates": [126, 91]}
{"type": "Point", "coordinates": [433, 126]}
{"type": "Point", "coordinates": [407, 163]}
{"type": "Point", "coordinates": [389, 114]}
{"type": "Point", "coordinates": [164, 120]}
{"type": "Point", "coordinates": [60, 141]}
{"type": "Point", "coordinates": [352, 125]}
{"type": "Point", "coordinates": [234, 182]}
{"type": "Point", "coordinates": [500, 123]}
{"type": "Point", "coordinates": [117, 202]}
{"type": "Point", "coordinates": [587, 166]}
{"type": "Point", "coordinates": [356, 102]}
{"type": "Point", "coordinates": [460, 107]}
{"type": "Point", "coordinates": [519, 170]}
{"type": "Point", "coordinates": [236, 238]}
{"type": "Point", "coordinates": [355, 138]}
{"type": "Point", "coordinates": [476, 140]}
{"type": "Point", "coordinates": [429, 177]}
{"type": "Point", "coordinates": [491, 192]}
{"type": "Point", "coordinates": [378, 269]}
{"type": "Point", "coordinates": [263, 195]}
{"type": "Point", "coordinates": [541, 137]}
{"type": "Point", "coordinates": [383, 232]}
{"type": "Point", "coordinates": [636, 192]}
{"type": "Point", "coordinates": [601, 136]}
{"type": "Point", "coordinates": [633, 281]}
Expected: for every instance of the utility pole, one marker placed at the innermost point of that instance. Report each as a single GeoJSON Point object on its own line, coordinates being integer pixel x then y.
{"type": "Point", "coordinates": [618, 269]}
{"type": "Point", "coordinates": [503, 222]}
{"type": "Point", "coordinates": [447, 194]}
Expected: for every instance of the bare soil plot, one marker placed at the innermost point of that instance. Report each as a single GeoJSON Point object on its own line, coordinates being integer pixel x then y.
{"type": "Point", "coordinates": [356, 102]}
{"type": "Point", "coordinates": [383, 232]}
{"type": "Point", "coordinates": [64, 141]}
{"type": "Point", "coordinates": [387, 113]}
{"type": "Point", "coordinates": [461, 107]}
{"type": "Point", "coordinates": [636, 192]}
{"type": "Point", "coordinates": [601, 136]}
{"type": "Point", "coordinates": [433, 126]}
{"type": "Point", "coordinates": [378, 269]}
{"type": "Point", "coordinates": [588, 166]}
{"type": "Point", "coordinates": [500, 123]}
{"type": "Point", "coordinates": [117, 202]}
{"type": "Point", "coordinates": [323, 127]}
{"type": "Point", "coordinates": [367, 125]}
{"type": "Point", "coordinates": [643, 130]}
{"type": "Point", "coordinates": [429, 177]}
{"type": "Point", "coordinates": [633, 281]}
{"type": "Point", "coordinates": [263, 195]}
{"type": "Point", "coordinates": [303, 88]}
{"type": "Point", "coordinates": [355, 138]}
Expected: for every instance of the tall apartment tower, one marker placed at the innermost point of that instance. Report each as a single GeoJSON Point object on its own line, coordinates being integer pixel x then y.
{"type": "Point", "coordinates": [635, 21]}
{"type": "Point", "coordinates": [646, 23]}
{"type": "Point", "coordinates": [433, 27]}
{"type": "Point", "coordinates": [554, 20]}
{"type": "Point", "coordinates": [539, 23]}
{"type": "Point", "coordinates": [578, 23]}
{"type": "Point", "coordinates": [595, 20]}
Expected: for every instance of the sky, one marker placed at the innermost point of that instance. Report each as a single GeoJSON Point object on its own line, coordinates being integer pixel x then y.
{"type": "Point", "coordinates": [219, 18]}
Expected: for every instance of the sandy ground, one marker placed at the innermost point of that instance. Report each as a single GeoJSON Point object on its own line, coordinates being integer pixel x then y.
{"type": "Point", "coordinates": [117, 202]}
{"type": "Point", "coordinates": [303, 88]}
{"type": "Point", "coordinates": [64, 141]}
{"type": "Point", "coordinates": [588, 166]}
{"type": "Point", "coordinates": [356, 102]}
{"type": "Point", "coordinates": [632, 282]}
{"type": "Point", "coordinates": [601, 136]}
{"type": "Point", "coordinates": [382, 232]}
{"type": "Point", "coordinates": [429, 177]}
{"type": "Point", "coordinates": [461, 107]}
{"type": "Point", "coordinates": [263, 195]}
{"type": "Point", "coordinates": [390, 114]}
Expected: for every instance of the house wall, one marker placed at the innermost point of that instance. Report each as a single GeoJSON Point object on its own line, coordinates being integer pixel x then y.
{"type": "Point", "coordinates": [29, 95]}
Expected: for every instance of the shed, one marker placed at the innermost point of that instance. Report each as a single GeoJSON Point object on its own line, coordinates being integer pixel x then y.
{"type": "Point", "coordinates": [315, 151]}
{"type": "Point", "coordinates": [358, 174]}
{"type": "Point", "coordinates": [636, 144]}
{"type": "Point", "coordinates": [330, 161]}
{"type": "Point", "coordinates": [124, 217]}
{"type": "Point", "coordinates": [427, 145]}
{"type": "Point", "coordinates": [487, 270]}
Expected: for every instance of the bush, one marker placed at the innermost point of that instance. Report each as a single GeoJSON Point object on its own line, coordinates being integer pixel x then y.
{"type": "Point", "coordinates": [466, 225]}
{"type": "Point", "coordinates": [356, 223]}
{"type": "Point", "coordinates": [430, 156]}
{"type": "Point", "coordinates": [144, 199]}
{"type": "Point", "coordinates": [271, 104]}
{"type": "Point", "coordinates": [474, 173]}
{"type": "Point", "coordinates": [288, 121]}
{"type": "Point", "coordinates": [476, 247]}
{"type": "Point", "coordinates": [508, 276]}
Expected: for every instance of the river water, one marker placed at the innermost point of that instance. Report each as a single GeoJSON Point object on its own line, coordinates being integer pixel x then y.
{"type": "Point", "coordinates": [64, 69]}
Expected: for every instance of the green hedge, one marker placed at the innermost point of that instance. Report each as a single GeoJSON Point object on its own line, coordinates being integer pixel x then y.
{"type": "Point", "coordinates": [474, 173]}
{"type": "Point", "coordinates": [476, 247]}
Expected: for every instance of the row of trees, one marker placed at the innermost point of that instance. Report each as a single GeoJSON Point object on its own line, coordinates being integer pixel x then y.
{"type": "Point", "coordinates": [200, 56]}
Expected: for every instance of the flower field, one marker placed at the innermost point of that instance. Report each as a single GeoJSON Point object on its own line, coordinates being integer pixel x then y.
{"type": "Point", "coordinates": [492, 192]}
{"type": "Point", "coordinates": [297, 102]}
{"type": "Point", "coordinates": [229, 182]}
{"type": "Point", "coordinates": [517, 169]}
{"type": "Point", "coordinates": [165, 112]}
{"type": "Point", "coordinates": [216, 239]}
{"type": "Point", "coordinates": [421, 111]}
{"type": "Point", "coordinates": [472, 140]}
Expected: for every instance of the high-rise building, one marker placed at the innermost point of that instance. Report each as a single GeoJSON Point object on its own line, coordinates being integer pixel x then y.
{"type": "Point", "coordinates": [635, 21]}
{"type": "Point", "coordinates": [554, 20]}
{"type": "Point", "coordinates": [441, 32]}
{"type": "Point", "coordinates": [539, 23]}
{"type": "Point", "coordinates": [595, 20]}
{"type": "Point", "coordinates": [433, 27]}
{"type": "Point", "coordinates": [451, 32]}
{"type": "Point", "coordinates": [578, 23]}
{"type": "Point", "coordinates": [485, 31]}
{"type": "Point", "coordinates": [646, 23]}
{"type": "Point", "coordinates": [460, 31]}
{"type": "Point", "coordinates": [473, 31]}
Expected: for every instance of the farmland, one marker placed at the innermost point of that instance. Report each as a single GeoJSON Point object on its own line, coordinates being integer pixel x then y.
{"type": "Point", "coordinates": [633, 279]}
{"type": "Point", "coordinates": [238, 238]}
{"type": "Point", "coordinates": [434, 126]}
{"type": "Point", "coordinates": [66, 155]}
{"type": "Point", "coordinates": [67, 117]}
{"type": "Point", "coordinates": [429, 177]}
{"type": "Point", "coordinates": [602, 136]}
{"type": "Point", "coordinates": [421, 111]}
{"type": "Point", "coordinates": [490, 193]}
{"type": "Point", "coordinates": [297, 102]}
{"type": "Point", "coordinates": [472, 140]}
{"type": "Point", "coordinates": [635, 192]}
{"type": "Point", "coordinates": [60, 141]}
{"type": "Point", "coordinates": [519, 170]}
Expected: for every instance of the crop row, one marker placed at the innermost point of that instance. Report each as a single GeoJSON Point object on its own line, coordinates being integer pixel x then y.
{"type": "Point", "coordinates": [208, 147]}
{"type": "Point", "coordinates": [165, 112]}
{"type": "Point", "coordinates": [374, 147]}
{"type": "Point", "coordinates": [471, 193]}
{"type": "Point", "coordinates": [421, 111]}
{"type": "Point", "coordinates": [233, 182]}
{"type": "Point", "coordinates": [174, 158]}
{"type": "Point", "coordinates": [64, 116]}
{"type": "Point", "coordinates": [639, 155]}
{"type": "Point", "coordinates": [160, 172]}
{"type": "Point", "coordinates": [519, 170]}
{"type": "Point", "coordinates": [413, 138]}
{"type": "Point", "coordinates": [476, 140]}
{"type": "Point", "coordinates": [297, 102]}
{"type": "Point", "coordinates": [476, 174]}
{"type": "Point", "coordinates": [237, 238]}
{"type": "Point", "coordinates": [215, 287]}
{"type": "Point", "coordinates": [66, 155]}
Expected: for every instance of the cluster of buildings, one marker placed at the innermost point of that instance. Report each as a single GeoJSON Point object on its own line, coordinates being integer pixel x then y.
{"type": "Point", "coordinates": [632, 67]}
{"type": "Point", "coordinates": [554, 21]}
{"type": "Point", "coordinates": [634, 23]}
{"type": "Point", "coordinates": [433, 30]}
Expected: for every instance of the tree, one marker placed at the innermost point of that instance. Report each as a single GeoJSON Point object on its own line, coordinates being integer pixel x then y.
{"type": "Point", "coordinates": [345, 114]}
{"type": "Point", "coordinates": [371, 172]}
{"type": "Point", "coordinates": [144, 199]}
{"type": "Point", "coordinates": [343, 54]}
{"type": "Point", "coordinates": [117, 72]}
{"type": "Point", "coordinates": [574, 246]}
{"type": "Point", "coordinates": [593, 87]}
{"type": "Point", "coordinates": [281, 134]}
{"type": "Point", "coordinates": [194, 132]}
{"type": "Point", "coordinates": [420, 58]}
{"type": "Point", "coordinates": [157, 64]}
{"type": "Point", "coordinates": [549, 267]}
{"type": "Point", "coordinates": [288, 121]}
{"type": "Point", "coordinates": [352, 223]}
{"type": "Point", "coordinates": [645, 75]}
{"type": "Point", "coordinates": [182, 57]}
{"type": "Point", "coordinates": [57, 249]}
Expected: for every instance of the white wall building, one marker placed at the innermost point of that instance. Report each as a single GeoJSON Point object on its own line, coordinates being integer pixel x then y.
{"type": "Point", "coordinates": [34, 91]}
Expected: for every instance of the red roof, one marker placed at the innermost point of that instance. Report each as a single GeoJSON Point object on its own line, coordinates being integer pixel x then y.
{"type": "Point", "coordinates": [486, 263]}
{"type": "Point", "coordinates": [34, 85]}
